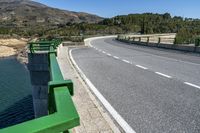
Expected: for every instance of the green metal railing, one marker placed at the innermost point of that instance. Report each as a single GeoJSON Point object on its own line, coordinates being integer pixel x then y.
{"type": "Point", "coordinates": [43, 45]}
{"type": "Point", "coordinates": [62, 112]}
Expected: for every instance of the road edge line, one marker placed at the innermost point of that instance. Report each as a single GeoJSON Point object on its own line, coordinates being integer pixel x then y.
{"type": "Point", "coordinates": [124, 125]}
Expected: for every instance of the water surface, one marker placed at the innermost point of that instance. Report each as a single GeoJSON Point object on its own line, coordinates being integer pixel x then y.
{"type": "Point", "coordinates": [15, 93]}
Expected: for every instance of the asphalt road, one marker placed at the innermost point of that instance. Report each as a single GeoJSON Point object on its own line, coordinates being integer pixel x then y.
{"type": "Point", "coordinates": [154, 90]}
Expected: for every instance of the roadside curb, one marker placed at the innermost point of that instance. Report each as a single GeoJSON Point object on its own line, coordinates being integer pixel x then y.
{"type": "Point", "coordinates": [183, 48]}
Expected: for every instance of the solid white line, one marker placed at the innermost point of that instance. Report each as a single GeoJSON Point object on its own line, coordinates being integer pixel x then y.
{"type": "Point", "coordinates": [193, 85]}
{"type": "Point", "coordinates": [126, 61]}
{"type": "Point", "coordinates": [88, 40]}
{"type": "Point", "coordinates": [108, 54]}
{"type": "Point", "coordinates": [141, 67]}
{"type": "Point", "coordinates": [125, 126]}
{"type": "Point", "coordinates": [164, 75]}
{"type": "Point", "coordinates": [116, 57]}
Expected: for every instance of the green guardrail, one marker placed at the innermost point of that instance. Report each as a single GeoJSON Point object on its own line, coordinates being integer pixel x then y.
{"type": "Point", "coordinates": [43, 45]}
{"type": "Point", "coordinates": [62, 112]}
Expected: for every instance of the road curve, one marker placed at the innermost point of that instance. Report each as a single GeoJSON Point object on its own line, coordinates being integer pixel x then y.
{"type": "Point", "coordinates": [154, 90]}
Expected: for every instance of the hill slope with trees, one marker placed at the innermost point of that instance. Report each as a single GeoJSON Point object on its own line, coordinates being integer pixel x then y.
{"type": "Point", "coordinates": [36, 19]}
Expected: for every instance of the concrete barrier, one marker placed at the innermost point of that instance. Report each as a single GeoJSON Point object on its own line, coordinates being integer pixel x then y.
{"type": "Point", "coordinates": [165, 46]}
{"type": "Point", "coordinates": [184, 48]}
{"type": "Point", "coordinates": [197, 49]}
{"type": "Point", "coordinates": [40, 76]}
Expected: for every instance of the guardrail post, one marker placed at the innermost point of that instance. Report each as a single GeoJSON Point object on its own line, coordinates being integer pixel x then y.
{"type": "Point", "coordinates": [52, 85]}
{"type": "Point", "coordinates": [147, 40]}
{"type": "Point", "coordinates": [139, 39]}
{"type": "Point", "coordinates": [159, 40]}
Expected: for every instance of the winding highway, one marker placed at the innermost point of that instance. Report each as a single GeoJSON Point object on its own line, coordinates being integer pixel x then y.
{"type": "Point", "coordinates": [154, 90]}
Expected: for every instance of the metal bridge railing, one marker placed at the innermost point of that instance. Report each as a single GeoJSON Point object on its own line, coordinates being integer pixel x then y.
{"type": "Point", "coordinates": [62, 112]}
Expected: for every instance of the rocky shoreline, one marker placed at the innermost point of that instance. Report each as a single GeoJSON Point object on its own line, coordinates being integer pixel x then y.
{"type": "Point", "coordinates": [6, 51]}
{"type": "Point", "coordinates": [14, 47]}
{"type": "Point", "coordinates": [22, 56]}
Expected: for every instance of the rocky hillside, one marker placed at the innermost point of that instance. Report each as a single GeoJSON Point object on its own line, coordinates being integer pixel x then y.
{"type": "Point", "coordinates": [26, 12]}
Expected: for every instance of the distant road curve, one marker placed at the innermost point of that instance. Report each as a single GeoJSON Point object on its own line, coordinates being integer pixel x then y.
{"type": "Point", "coordinates": [153, 90]}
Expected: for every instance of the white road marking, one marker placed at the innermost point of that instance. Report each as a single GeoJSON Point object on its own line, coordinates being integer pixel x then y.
{"type": "Point", "coordinates": [89, 40]}
{"type": "Point", "coordinates": [141, 67]}
{"type": "Point", "coordinates": [126, 61]}
{"type": "Point", "coordinates": [103, 52]}
{"type": "Point", "coordinates": [108, 54]}
{"type": "Point", "coordinates": [193, 85]}
{"type": "Point", "coordinates": [125, 126]}
{"type": "Point", "coordinates": [116, 57]}
{"type": "Point", "coordinates": [162, 74]}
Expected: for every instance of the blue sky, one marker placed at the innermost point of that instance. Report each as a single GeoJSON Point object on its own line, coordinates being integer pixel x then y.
{"type": "Point", "coordinates": [110, 8]}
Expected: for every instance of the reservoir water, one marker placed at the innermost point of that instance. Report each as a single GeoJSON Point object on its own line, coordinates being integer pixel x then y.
{"type": "Point", "coordinates": [16, 103]}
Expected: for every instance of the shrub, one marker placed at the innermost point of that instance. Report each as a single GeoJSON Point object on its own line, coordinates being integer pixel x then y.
{"type": "Point", "coordinates": [184, 36]}
{"type": "Point", "coordinates": [197, 41]}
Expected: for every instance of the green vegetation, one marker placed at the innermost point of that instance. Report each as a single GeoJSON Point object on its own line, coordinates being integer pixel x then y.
{"type": "Point", "coordinates": [197, 41]}
{"type": "Point", "coordinates": [187, 29]}
{"type": "Point", "coordinates": [184, 36]}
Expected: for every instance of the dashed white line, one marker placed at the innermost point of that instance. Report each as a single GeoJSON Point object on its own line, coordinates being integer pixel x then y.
{"type": "Point", "coordinates": [193, 85]}
{"type": "Point", "coordinates": [108, 54]}
{"type": "Point", "coordinates": [162, 74]}
{"type": "Point", "coordinates": [115, 57]}
{"type": "Point", "coordinates": [126, 61]}
{"type": "Point", "coordinates": [103, 52]}
{"type": "Point", "coordinates": [141, 67]}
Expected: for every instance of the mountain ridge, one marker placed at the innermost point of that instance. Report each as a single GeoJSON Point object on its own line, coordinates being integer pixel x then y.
{"type": "Point", "coordinates": [27, 12]}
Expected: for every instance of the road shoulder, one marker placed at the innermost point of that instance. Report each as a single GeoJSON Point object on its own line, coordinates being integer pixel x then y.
{"type": "Point", "coordinates": [93, 116]}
